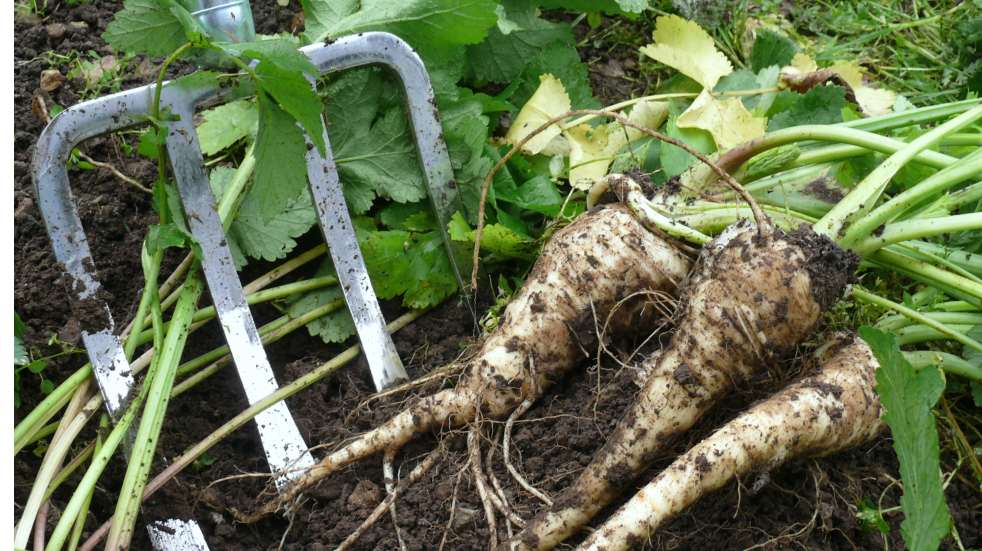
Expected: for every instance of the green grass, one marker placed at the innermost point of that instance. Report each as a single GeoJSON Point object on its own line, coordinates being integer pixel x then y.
{"type": "Point", "coordinates": [930, 52]}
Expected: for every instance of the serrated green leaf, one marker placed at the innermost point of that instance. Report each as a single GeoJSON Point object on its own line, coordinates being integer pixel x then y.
{"type": "Point", "coordinates": [226, 124]}
{"type": "Point", "coordinates": [162, 236]}
{"type": "Point", "coordinates": [820, 105]}
{"type": "Point", "coordinates": [145, 27]}
{"type": "Point", "coordinates": [280, 73]}
{"type": "Point", "coordinates": [771, 48]}
{"type": "Point", "coordinates": [334, 327]}
{"type": "Point", "coordinates": [503, 55]}
{"type": "Point", "coordinates": [273, 238]}
{"type": "Point", "coordinates": [150, 141]}
{"type": "Point", "coordinates": [319, 15]}
{"type": "Point", "coordinates": [373, 145]}
{"type": "Point", "coordinates": [908, 397]}
{"type": "Point", "coordinates": [280, 171]}
{"type": "Point", "coordinates": [445, 21]}
{"type": "Point", "coordinates": [495, 238]}
{"type": "Point", "coordinates": [414, 265]}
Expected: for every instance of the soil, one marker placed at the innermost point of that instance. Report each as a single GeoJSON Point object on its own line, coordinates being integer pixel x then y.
{"type": "Point", "coordinates": [807, 504]}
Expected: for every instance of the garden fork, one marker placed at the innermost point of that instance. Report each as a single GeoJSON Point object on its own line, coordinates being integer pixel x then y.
{"type": "Point", "coordinates": [283, 445]}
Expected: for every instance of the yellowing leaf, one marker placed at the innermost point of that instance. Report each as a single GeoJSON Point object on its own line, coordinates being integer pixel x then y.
{"type": "Point", "coordinates": [548, 101]}
{"type": "Point", "coordinates": [685, 46]}
{"type": "Point", "coordinates": [728, 121]}
{"type": "Point", "coordinates": [803, 63]}
{"type": "Point", "coordinates": [592, 150]}
{"type": "Point", "coordinates": [873, 101]}
{"type": "Point", "coordinates": [589, 154]}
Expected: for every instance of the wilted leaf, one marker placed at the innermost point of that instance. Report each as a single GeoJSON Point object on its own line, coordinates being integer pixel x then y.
{"type": "Point", "coordinates": [686, 47]}
{"type": "Point", "coordinates": [592, 150]}
{"type": "Point", "coordinates": [727, 120]}
{"type": "Point", "coordinates": [548, 101]}
{"type": "Point", "coordinates": [873, 101]}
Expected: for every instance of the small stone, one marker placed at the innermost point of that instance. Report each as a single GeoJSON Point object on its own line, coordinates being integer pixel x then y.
{"type": "Point", "coordinates": [51, 80]}
{"type": "Point", "coordinates": [79, 26]}
{"type": "Point", "coordinates": [56, 30]}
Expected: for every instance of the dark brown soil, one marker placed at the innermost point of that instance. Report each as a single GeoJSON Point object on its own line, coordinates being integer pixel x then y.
{"type": "Point", "coordinates": [808, 504]}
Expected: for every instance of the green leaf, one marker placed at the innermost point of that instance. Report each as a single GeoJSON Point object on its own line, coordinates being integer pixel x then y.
{"type": "Point", "coordinates": [538, 194]}
{"type": "Point", "coordinates": [226, 124]}
{"type": "Point", "coordinates": [444, 21]}
{"type": "Point", "coordinates": [412, 264]}
{"type": "Point", "coordinates": [373, 144]}
{"type": "Point", "coordinates": [977, 393]}
{"type": "Point", "coordinates": [319, 15]}
{"type": "Point", "coordinates": [675, 160]}
{"type": "Point", "coordinates": [145, 27]}
{"type": "Point", "coordinates": [37, 366]}
{"type": "Point", "coordinates": [150, 141]}
{"type": "Point", "coordinates": [334, 327]}
{"type": "Point", "coordinates": [562, 61]}
{"type": "Point", "coordinates": [503, 56]}
{"type": "Point", "coordinates": [272, 238]}
{"type": "Point", "coordinates": [280, 73]}
{"type": "Point", "coordinates": [820, 105]}
{"type": "Point", "coordinates": [281, 172]}
{"type": "Point", "coordinates": [495, 238]}
{"type": "Point", "coordinates": [771, 48]}
{"type": "Point", "coordinates": [612, 7]}
{"type": "Point", "coordinates": [907, 397]}
{"type": "Point", "coordinates": [163, 236]}
{"type": "Point", "coordinates": [871, 517]}
{"type": "Point", "coordinates": [47, 386]}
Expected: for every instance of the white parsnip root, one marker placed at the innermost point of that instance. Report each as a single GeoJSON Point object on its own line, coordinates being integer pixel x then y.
{"type": "Point", "coordinates": [831, 410]}
{"type": "Point", "coordinates": [754, 294]}
{"type": "Point", "coordinates": [583, 271]}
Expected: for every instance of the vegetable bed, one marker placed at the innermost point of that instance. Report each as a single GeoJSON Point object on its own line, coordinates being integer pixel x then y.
{"type": "Point", "coordinates": [505, 431]}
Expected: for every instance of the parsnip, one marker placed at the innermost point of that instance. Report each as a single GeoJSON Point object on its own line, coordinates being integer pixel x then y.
{"type": "Point", "coordinates": [824, 413]}
{"type": "Point", "coordinates": [754, 294]}
{"type": "Point", "coordinates": [583, 271]}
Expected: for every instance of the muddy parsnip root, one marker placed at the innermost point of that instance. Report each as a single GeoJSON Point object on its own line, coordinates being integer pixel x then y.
{"type": "Point", "coordinates": [752, 297]}
{"type": "Point", "coordinates": [829, 411]}
{"type": "Point", "coordinates": [583, 271]}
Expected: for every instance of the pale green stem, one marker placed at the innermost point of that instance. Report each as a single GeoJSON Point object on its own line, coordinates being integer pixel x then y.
{"type": "Point", "coordinates": [863, 197]}
{"type": "Point", "coordinates": [877, 300]}
{"type": "Point", "coordinates": [141, 459]}
{"type": "Point", "coordinates": [952, 284]}
{"type": "Point", "coordinates": [84, 511]}
{"type": "Point", "coordinates": [248, 414]}
{"type": "Point", "coordinates": [950, 363]}
{"type": "Point", "coordinates": [938, 182]}
{"type": "Point", "coordinates": [917, 229]}
{"type": "Point", "coordinates": [917, 334]}
{"type": "Point", "coordinates": [898, 321]}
